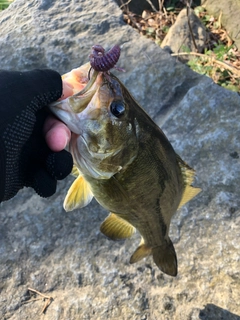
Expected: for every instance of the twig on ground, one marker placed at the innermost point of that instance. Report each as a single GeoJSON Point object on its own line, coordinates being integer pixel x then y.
{"type": "Point", "coordinates": [151, 4]}
{"type": "Point", "coordinates": [160, 4]}
{"type": "Point", "coordinates": [47, 302]}
{"type": "Point", "coordinates": [189, 24]}
{"type": "Point", "coordinates": [124, 4]}
{"type": "Point", "coordinates": [221, 63]}
{"type": "Point", "coordinates": [220, 20]}
{"type": "Point", "coordinates": [154, 24]}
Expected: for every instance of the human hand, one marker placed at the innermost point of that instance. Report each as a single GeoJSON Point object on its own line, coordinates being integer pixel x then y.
{"type": "Point", "coordinates": [25, 157]}
{"type": "Point", "coordinates": [56, 133]}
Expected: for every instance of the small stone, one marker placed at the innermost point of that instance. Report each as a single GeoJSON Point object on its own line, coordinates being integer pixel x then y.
{"type": "Point", "coordinates": [180, 38]}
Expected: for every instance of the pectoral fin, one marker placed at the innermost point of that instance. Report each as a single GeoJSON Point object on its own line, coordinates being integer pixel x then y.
{"type": "Point", "coordinates": [165, 258]}
{"type": "Point", "coordinates": [189, 193]}
{"type": "Point", "coordinates": [75, 172]}
{"type": "Point", "coordinates": [116, 228]}
{"type": "Point", "coordinates": [79, 195]}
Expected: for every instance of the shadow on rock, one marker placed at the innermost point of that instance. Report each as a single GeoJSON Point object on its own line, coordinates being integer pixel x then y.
{"type": "Point", "coordinates": [211, 312]}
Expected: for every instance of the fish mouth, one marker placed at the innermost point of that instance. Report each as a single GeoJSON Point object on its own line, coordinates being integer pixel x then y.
{"type": "Point", "coordinates": [77, 102]}
{"type": "Point", "coordinates": [88, 85]}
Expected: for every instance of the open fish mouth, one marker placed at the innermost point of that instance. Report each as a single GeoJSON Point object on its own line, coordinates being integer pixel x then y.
{"type": "Point", "coordinates": [77, 102]}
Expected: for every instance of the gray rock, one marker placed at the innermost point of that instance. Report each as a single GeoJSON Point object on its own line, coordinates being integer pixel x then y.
{"type": "Point", "coordinates": [63, 254]}
{"type": "Point", "coordinates": [179, 37]}
{"type": "Point", "coordinates": [230, 12]}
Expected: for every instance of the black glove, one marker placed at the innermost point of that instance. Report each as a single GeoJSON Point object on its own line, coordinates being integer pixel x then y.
{"type": "Point", "coordinates": [25, 158]}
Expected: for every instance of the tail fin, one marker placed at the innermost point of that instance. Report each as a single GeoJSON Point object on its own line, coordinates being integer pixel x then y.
{"type": "Point", "coordinates": [165, 258]}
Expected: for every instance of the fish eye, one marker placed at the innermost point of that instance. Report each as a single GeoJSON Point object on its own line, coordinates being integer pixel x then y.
{"type": "Point", "coordinates": [117, 108]}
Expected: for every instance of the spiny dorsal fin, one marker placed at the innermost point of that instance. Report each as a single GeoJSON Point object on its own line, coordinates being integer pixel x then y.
{"type": "Point", "coordinates": [79, 195]}
{"type": "Point", "coordinates": [116, 228]}
{"type": "Point", "coordinates": [140, 253]}
{"type": "Point", "coordinates": [165, 258]}
{"type": "Point", "coordinates": [188, 177]}
{"type": "Point", "coordinates": [189, 193]}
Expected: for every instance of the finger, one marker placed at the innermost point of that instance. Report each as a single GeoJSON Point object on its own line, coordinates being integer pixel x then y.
{"type": "Point", "coordinates": [67, 90]}
{"type": "Point", "coordinates": [59, 164]}
{"type": "Point", "coordinates": [57, 134]}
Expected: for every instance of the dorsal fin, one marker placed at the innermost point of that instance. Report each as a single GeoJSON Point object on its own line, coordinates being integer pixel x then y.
{"type": "Point", "coordinates": [187, 172]}
{"type": "Point", "coordinates": [189, 193]}
{"type": "Point", "coordinates": [116, 228]}
{"type": "Point", "coordinates": [79, 195]}
{"type": "Point", "coordinates": [188, 177]}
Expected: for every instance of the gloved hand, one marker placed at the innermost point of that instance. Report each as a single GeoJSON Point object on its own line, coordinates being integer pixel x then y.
{"type": "Point", "coordinates": [25, 158]}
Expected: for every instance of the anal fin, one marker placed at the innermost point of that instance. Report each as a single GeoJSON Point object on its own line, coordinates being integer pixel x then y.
{"type": "Point", "coordinates": [116, 228]}
{"type": "Point", "coordinates": [140, 253]}
{"type": "Point", "coordinates": [79, 195]}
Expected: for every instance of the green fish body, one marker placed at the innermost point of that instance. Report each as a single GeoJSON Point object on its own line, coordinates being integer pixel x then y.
{"type": "Point", "coordinates": [125, 161]}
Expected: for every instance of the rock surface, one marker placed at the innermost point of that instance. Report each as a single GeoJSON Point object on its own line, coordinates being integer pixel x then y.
{"type": "Point", "coordinates": [64, 255]}
{"type": "Point", "coordinates": [179, 37]}
{"type": "Point", "coordinates": [230, 13]}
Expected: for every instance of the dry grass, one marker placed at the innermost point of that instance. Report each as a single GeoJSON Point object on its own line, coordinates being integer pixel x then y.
{"type": "Point", "coordinates": [220, 59]}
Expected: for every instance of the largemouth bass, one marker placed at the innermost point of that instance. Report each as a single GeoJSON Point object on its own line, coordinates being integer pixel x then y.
{"type": "Point", "coordinates": [124, 160]}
